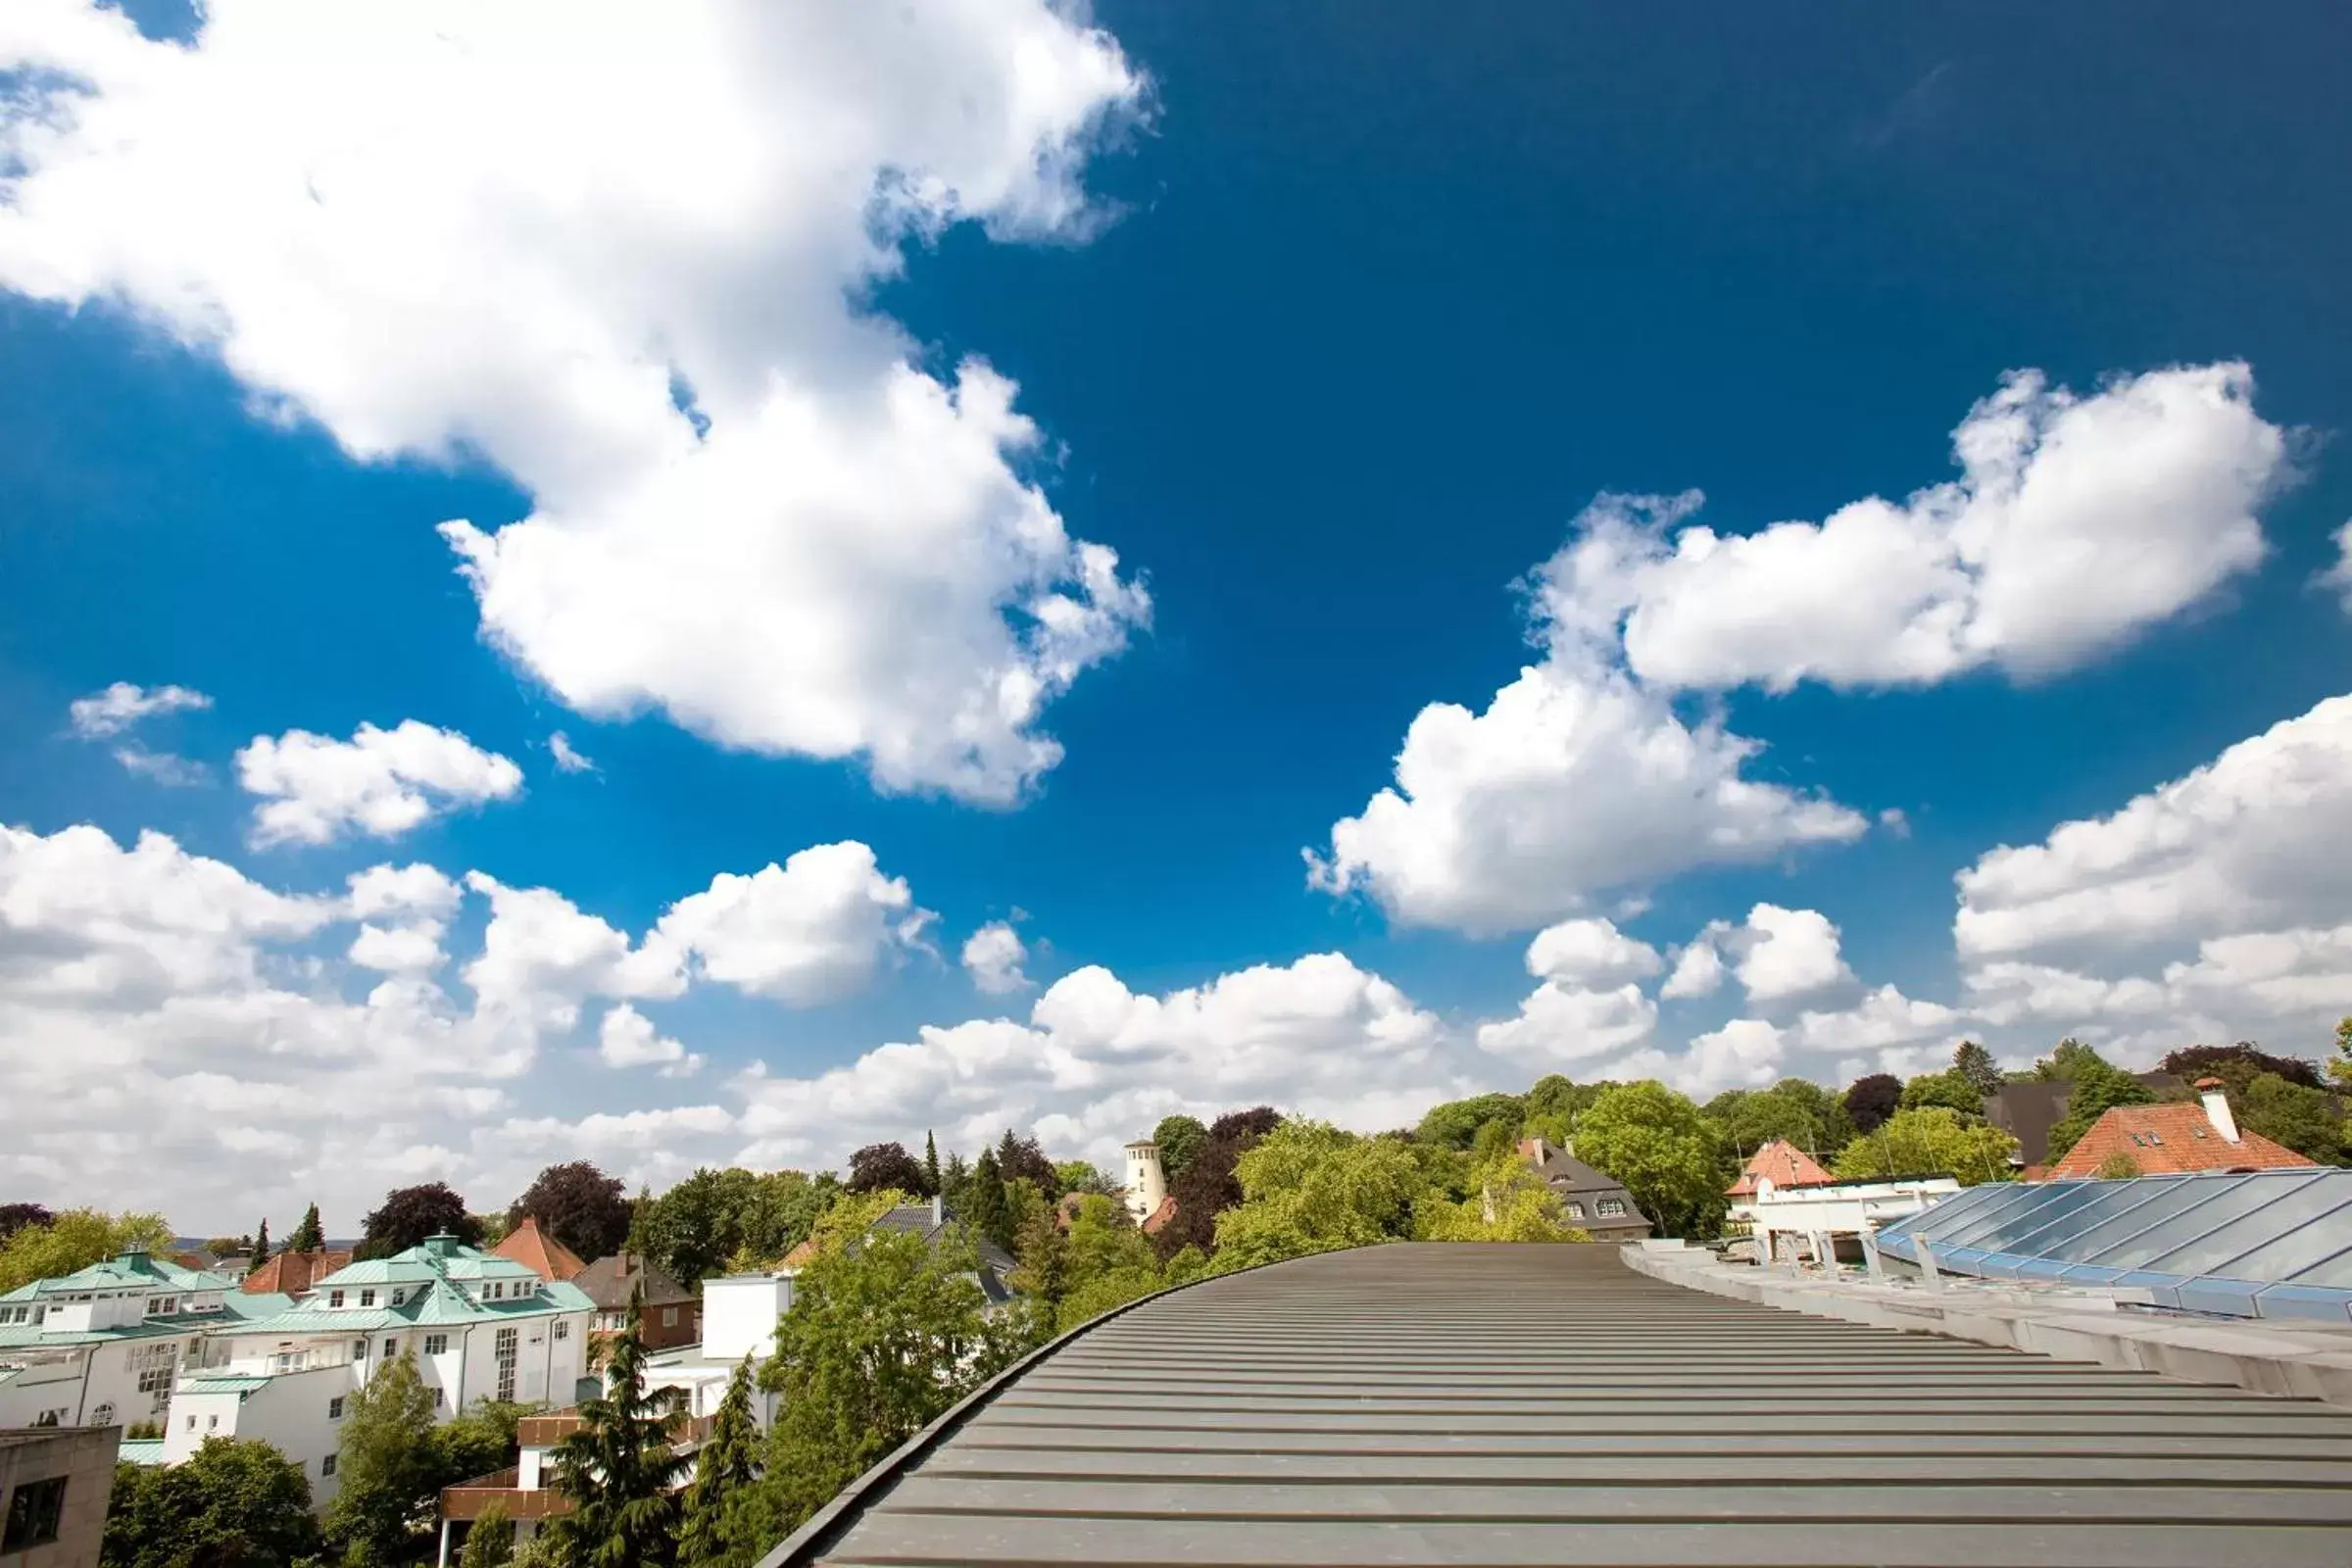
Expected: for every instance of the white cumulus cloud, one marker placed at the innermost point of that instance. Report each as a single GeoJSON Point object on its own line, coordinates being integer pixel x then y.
{"type": "Point", "coordinates": [627, 1039]}
{"type": "Point", "coordinates": [381, 782]}
{"type": "Point", "coordinates": [2077, 522]}
{"type": "Point", "coordinates": [810, 930]}
{"type": "Point", "coordinates": [627, 258]}
{"type": "Point", "coordinates": [568, 758]}
{"type": "Point", "coordinates": [993, 956]}
{"type": "Point", "coordinates": [118, 707]}
{"type": "Point", "coordinates": [1790, 952]}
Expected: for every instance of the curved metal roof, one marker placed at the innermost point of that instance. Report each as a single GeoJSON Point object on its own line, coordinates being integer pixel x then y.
{"type": "Point", "coordinates": [1466, 1404]}
{"type": "Point", "coordinates": [2272, 1244]}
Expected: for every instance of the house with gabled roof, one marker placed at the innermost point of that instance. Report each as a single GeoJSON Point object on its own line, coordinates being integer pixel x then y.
{"type": "Point", "coordinates": [292, 1274]}
{"type": "Point", "coordinates": [2176, 1138]}
{"type": "Point", "coordinates": [670, 1315]}
{"type": "Point", "coordinates": [534, 1248]}
{"type": "Point", "coordinates": [103, 1345]}
{"type": "Point", "coordinates": [1594, 1201]}
{"type": "Point", "coordinates": [1781, 1163]}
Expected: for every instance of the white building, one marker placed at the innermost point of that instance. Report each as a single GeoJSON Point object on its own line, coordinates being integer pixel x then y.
{"type": "Point", "coordinates": [1818, 1216]}
{"type": "Point", "coordinates": [1147, 1180]}
{"type": "Point", "coordinates": [103, 1346]}
{"type": "Point", "coordinates": [739, 1322]}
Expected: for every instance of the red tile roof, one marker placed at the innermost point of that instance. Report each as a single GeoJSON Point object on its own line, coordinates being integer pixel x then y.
{"type": "Point", "coordinates": [292, 1273]}
{"type": "Point", "coordinates": [1784, 1163]}
{"type": "Point", "coordinates": [1158, 1218]}
{"type": "Point", "coordinates": [526, 1244]}
{"type": "Point", "coordinates": [2170, 1140]}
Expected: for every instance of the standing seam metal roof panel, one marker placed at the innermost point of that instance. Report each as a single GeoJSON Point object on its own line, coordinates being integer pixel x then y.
{"type": "Point", "coordinates": [1466, 1404]}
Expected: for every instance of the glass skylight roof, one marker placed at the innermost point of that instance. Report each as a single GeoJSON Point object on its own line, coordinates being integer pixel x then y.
{"type": "Point", "coordinates": [2270, 1244]}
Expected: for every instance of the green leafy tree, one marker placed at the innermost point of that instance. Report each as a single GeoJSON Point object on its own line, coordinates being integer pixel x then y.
{"type": "Point", "coordinates": [2067, 1062]}
{"type": "Point", "coordinates": [1665, 1153]}
{"type": "Point", "coordinates": [1872, 1099]}
{"type": "Point", "coordinates": [410, 1214]}
{"type": "Point", "coordinates": [2098, 1089]}
{"type": "Point", "coordinates": [2340, 1065]}
{"type": "Point", "coordinates": [618, 1465]}
{"type": "Point", "coordinates": [1952, 1090]}
{"type": "Point", "coordinates": [1455, 1123]}
{"type": "Point", "coordinates": [1507, 1202]}
{"type": "Point", "coordinates": [1042, 1252]}
{"type": "Point", "coordinates": [702, 1225]}
{"type": "Point", "coordinates": [723, 1474]}
{"type": "Point", "coordinates": [1106, 1262]}
{"type": "Point", "coordinates": [1975, 1063]}
{"type": "Point", "coordinates": [73, 1241]}
{"type": "Point", "coordinates": [2117, 1167]}
{"type": "Point", "coordinates": [1178, 1139]}
{"type": "Point", "coordinates": [1929, 1139]}
{"type": "Point", "coordinates": [1556, 1102]}
{"type": "Point", "coordinates": [389, 1467]}
{"type": "Point", "coordinates": [1805, 1115]}
{"type": "Point", "coordinates": [1207, 1188]}
{"type": "Point", "coordinates": [1308, 1187]}
{"type": "Point", "coordinates": [233, 1504]}
{"type": "Point", "coordinates": [2239, 1065]}
{"type": "Point", "coordinates": [880, 1339]}
{"type": "Point", "coordinates": [987, 1210]}
{"type": "Point", "coordinates": [13, 1217]}
{"type": "Point", "coordinates": [480, 1438]}
{"type": "Point", "coordinates": [489, 1541]}
{"type": "Point", "coordinates": [309, 1235]}
{"type": "Point", "coordinates": [580, 1205]}
{"type": "Point", "coordinates": [1082, 1176]}
{"type": "Point", "coordinates": [261, 1242]}
{"type": "Point", "coordinates": [2302, 1119]}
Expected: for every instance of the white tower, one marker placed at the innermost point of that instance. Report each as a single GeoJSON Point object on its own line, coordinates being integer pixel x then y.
{"type": "Point", "coordinates": [1147, 1183]}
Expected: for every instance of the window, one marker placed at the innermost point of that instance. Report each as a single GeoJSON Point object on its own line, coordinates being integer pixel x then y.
{"type": "Point", "coordinates": [399, 1296]}
{"type": "Point", "coordinates": [191, 1423]}
{"type": "Point", "coordinates": [505, 1353]}
{"type": "Point", "coordinates": [391, 1348]}
{"type": "Point", "coordinates": [563, 1329]}
{"type": "Point", "coordinates": [436, 1344]}
{"type": "Point", "coordinates": [669, 1317]}
{"type": "Point", "coordinates": [438, 1398]}
{"type": "Point", "coordinates": [103, 1416]}
{"type": "Point", "coordinates": [33, 1512]}
{"type": "Point", "coordinates": [1610, 1207]}
{"type": "Point", "coordinates": [366, 1298]}
{"type": "Point", "coordinates": [334, 1297]}
{"type": "Point", "coordinates": [326, 1466]}
{"type": "Point", "coordinates": [359, 1349]}
{"type": "Point", "coordinates": [334, 1408]}
{"type": "Point", "coordinates": [211, 1423]}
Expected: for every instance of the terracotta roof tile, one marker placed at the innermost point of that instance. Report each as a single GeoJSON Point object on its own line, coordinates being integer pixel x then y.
{"type": "Point", "coordinates": [526, 1244]}
{"type": "Point", "coordinates": [1158, 1218]}
{"type": "Point", "coordinates": [2171, 1139]}
{"type": "Point", "coordinates": [294, 1273]}
{"type": "Point", "coordinates": [1784, 1163]}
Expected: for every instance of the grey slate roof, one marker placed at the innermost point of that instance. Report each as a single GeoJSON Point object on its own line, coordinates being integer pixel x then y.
{"type": "Point", "coordinates": [1468, 1403]}
{"type": "Point", "coordinates": [603, 1283]}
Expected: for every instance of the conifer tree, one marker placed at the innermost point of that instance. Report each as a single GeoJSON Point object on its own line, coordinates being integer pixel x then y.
{"type": "Point", "coordinates": [619, 1467]}
{"type": "Point", "coordinates": [723, 1474]}
{"type": "Point", "coordinates": [987, 1210]}
{"type": "Point", "coordinates": [261, 1243]}
{"type": "Point", "coordinates": [931, 1163]}
{"type": "Point", "coordinates": [308, 1236]}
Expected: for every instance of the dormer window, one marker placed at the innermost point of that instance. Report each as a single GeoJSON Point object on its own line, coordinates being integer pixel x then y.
{"type": "Point", "coordinates": [366, 1298]}
{"type": "Point", "coordinates": [334, 1297]}
{"type": "Point", "coordinates": [399, 1296]}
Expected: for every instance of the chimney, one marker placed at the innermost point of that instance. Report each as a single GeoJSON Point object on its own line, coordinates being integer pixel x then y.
{"type": "Point", "coordinates": [624, 1271]}
{"type": "Point", "coordinates": [2217, 1109]}
{"type": "Point", "coordinates": [939, 1209]}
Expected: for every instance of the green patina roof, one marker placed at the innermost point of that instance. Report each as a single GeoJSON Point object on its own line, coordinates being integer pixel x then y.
{"type": "Point", "coordinates": [436, 1303]}
{"type": "Point", "coordinates": [240, 1309]}
{"type": "Point", "coordinates": [226, 1382]}
{"type": "Point", "coordinates": [140, 1450]}
{"type": "Point", "coordinates": [141, 1270]}
{"type": "Point", "coordinates": [440, 1259]}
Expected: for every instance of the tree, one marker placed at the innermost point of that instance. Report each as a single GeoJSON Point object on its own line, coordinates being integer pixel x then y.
{"type": "Point", "coordinates": [74, 1239]}
{"type": "Point", "coordinates": [1041, 1257]}
{"type": "Point", "coordinates": [1081, 1176]}
{"type": "Point", "coordinates": [930, 1163]}
{"type": "Point", "coordinates": [1656, 1143]}
{"type": "Point", "coordinates": [879, 1165]}
{"type": "Point", "coordinates": [490, 1540]}
{"type": "Point", "coordinates": [697, 1228]}
{"type": "Point", "coordinates": [1871, 1099]}
{"type": "Point", "coordinates": [1930, 1140]}
{"type": "Point", "coordinates": [2237, 1065]}
{"type": "Point", "coordinates": [389, 1467]}
{"type": "Point", "coordinates": [2340, 1065]}
{"type": "Point", "coordinates": [723, 1474]}
{"type": "Point", "coordinates": [1179, 1137]}
{"type": "Point", "coordinates": [2098, 1089]}
{"type": "Point", "coordinates": [261, 1242]}
{"type": "Point", "coordinates": [1804, 1113]}
{"type": "Point", "coordinates": [1308, 1187]}
{"type": "Point", "coordinates": [986, 1209]}
{"type": "Point", "coordinates": [880, 1339]}
{"type": "Point", "coordinates": [618, 1466]}
{"type": "Point", "coordinates": [410, 1214]}
{"type": "Point", "coordinates": [478, 1439]}
{"type": "Point", "coordinates": [2296, 1116]}
{"type": "Point", "coordinates": [1507, 1202]}
{"type": "Point", "coordinates": [578, 1205]}
{"type": "Point", "coordinates": [1975, 1063]}
{"type": "Point", "coordinates": [1455, 1123]}
{"type": "Point", "coordinates": [1104, 1262]}
{"type": "Point", "coordinates": [1207, 1188]}
{"type": "Point", "coordinates": [2117, 1167]}
{"type": "Point", "coordinates": [1953, 1090]}
{"type": "Point", "coordinates": [309, 1235]}
{"type": "Point", "coordinates": [233, 1504]}
{"type": "Point", "coordinates": [2066, 1061]}
{"type": "Point", "coordinates": [13, 1217]}
{"type": "Point", "coordinates": [1020, 1159]}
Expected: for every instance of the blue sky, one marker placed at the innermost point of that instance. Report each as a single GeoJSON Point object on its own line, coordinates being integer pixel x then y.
{"type": "Point", "coordinates": [1331, 324]}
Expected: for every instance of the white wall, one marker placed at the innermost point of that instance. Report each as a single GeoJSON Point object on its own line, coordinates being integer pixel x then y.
{"type": "Point", "coordinates": [293, 1412]}
{"type": "Point", "coordinates": [110, 1394]}
{"type": "Point", "coordinates": [40, 1390]}
{"type": "Point", "coordinates": [740, 1312]}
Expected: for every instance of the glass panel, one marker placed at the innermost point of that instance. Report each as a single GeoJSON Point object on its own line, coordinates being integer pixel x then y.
{"type": "Point", "coordinates": [2174, 1194]}
{"type": "Point", "coordinates": [2024, 1199]}
{"type": "Point", "coordinates": [2007, 1229]}
{"type": "Point", "coordinates": [2335, 1272]}
{"type": "Point", "coordinates": [2284, 1257]}
{"type": "Point", "coordinates": [2306, 1202]}
{"type": "Point", "coordinates": [2227, 1198]}
{"type": "Point", "coordinates": [1960, 1208]}
{"type": "Point", "coordinates": [2052, 1240]}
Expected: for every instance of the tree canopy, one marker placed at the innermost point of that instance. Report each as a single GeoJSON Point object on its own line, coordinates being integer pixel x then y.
{"type": "Point", "coordinates": [1975, 1063]}
{"type": "Point", "coordinates": [1665, 1153]}
{"type": "Point", "coordinates": [709, 1528]}
{"type": "Point", "coordinates": [578, 1205]}
{"type": "Point", "coordinates": [410, 1214]}
{"type": "Point", "coordinates": [1872, 1099]}
{"type": "Point", "coordinates": [1455, 1123]}
{"type": "Point", "coordinates": [235, 1504]}
{"type": "Point", "coordinates": [1926, 1141]}
{"type": "Point", "coordinates": [2293, 1114]}
{"type": "Point", "coordinates": [880, 1165]}
{"type": "Point", "coordinates": [1954, 1091]}
{"type": "Point", "coordinates": [1307, 1186]}
{"type": "Point", "coordinates": [1208, 1187]}
{"type": "Point", "coordinates": [705, 1223]}
{"type": "Point", "coordinates": [618, 1466]}
{"type": "Point", "coordinates": [309, 1235]}
{"type": "Point", "coordinates": [388, 1467]}
{"type": "Point", "coordinates": [2097, 1088]}
{"type": "Point", "coordinates": [1178, 1139]}
{"type": "Point", "coordinates": [74, 1239]}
